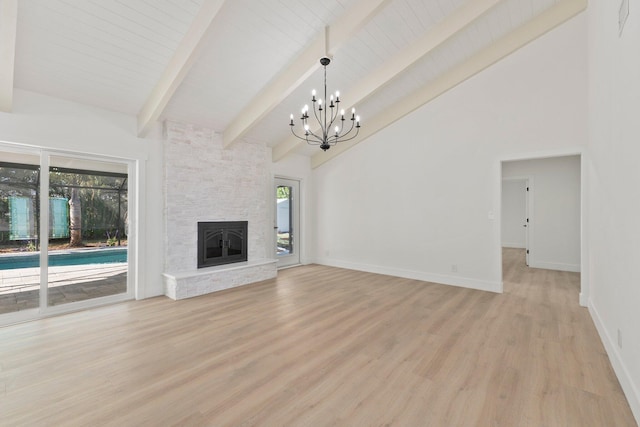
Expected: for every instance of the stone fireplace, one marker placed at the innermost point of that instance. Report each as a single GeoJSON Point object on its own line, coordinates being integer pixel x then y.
{"type": "Point", "coordinates": [206, 183]}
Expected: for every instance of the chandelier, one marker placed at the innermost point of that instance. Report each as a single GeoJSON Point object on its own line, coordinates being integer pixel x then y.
{"type": "Point", "coordinates": [329, 117]}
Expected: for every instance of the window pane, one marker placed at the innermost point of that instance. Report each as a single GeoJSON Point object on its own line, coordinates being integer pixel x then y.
{"type": "Point", "coordinates": [88, 230]}
{"type": "Point", "coordinates": [284, 241]}
{"type": "Point", "coordinates": [19, 245]}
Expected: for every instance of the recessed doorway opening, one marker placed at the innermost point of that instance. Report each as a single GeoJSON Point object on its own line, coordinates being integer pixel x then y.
{"type": "Point", "coordinates": [541, 216]}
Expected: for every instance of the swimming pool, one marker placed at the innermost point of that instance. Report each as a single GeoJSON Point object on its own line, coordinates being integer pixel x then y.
{"type": "Point", "coordinates": [57, 258]}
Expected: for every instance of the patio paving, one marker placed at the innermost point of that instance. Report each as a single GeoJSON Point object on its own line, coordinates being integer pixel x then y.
{"type": "Point", "coordinates": [19, 288]}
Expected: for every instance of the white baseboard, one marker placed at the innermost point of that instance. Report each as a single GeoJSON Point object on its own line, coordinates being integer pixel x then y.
{"type": "Point", "coordinates": [630, 389]}
{"type": "Point", "coordinates": [575, 268]}
{"type": "Point", "coordinates": [444, 279]}
{"type": "Point", "coordinates": [584, 302]}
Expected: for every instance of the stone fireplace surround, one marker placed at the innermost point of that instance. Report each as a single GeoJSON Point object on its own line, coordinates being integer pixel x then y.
{"type": "Point", "coordinates": [204, 182]}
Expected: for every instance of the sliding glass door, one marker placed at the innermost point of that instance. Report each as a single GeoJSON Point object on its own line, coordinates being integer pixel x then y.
{"type": "Point", "coordinates": [19, 232]}
{"type": "Point", "coordinates": [64, 233]}
{"type": "Point", "coordinates": [87, 246]}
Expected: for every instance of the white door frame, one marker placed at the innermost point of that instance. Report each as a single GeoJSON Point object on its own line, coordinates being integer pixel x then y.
{"type": "Point", "coordinates": [584, 257]}
{"type": "Point", "coordinates": [295, 258]}
{"type": "Point", "coordinates": [44, 310]}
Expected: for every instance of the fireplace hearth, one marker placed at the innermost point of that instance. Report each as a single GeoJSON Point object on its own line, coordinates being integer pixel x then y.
{"type": "Point", "coordinates": [222, 242]}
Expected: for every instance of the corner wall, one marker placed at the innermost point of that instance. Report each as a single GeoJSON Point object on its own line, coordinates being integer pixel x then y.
{"type": "Point", "coordinates": [613, 198]}
{"type": "Point", "coordinates": [421, 198]}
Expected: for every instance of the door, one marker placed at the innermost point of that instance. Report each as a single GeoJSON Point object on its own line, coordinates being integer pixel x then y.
{"type": "Point", "coordinates": [88, 232]}
{"type": "Point", "coordinates": [515, 214]}
{"type": "Point", "coordinates": [19, 234]}
{"type": "Point", "coordinates": [287, 222]}
{"type": "Point", "coordinates": [64, 232]}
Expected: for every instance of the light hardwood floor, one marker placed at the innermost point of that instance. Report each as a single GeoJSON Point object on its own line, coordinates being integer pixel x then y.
{"type": "Point", "coordinates": [321, 346]}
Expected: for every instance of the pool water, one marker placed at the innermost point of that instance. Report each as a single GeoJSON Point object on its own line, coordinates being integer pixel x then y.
{"type": "Point", "coordinates": [78, 257]}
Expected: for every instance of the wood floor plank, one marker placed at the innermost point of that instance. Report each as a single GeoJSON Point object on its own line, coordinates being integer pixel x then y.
{"type": "Point", "coordinates": [321, 346]}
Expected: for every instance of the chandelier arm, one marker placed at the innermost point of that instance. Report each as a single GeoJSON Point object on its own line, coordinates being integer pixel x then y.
{"type": "Point", "coordinates": [315, 113]}
{"type": "Point", "coordinates": [350, 129]}
{"type": "Point", "coordinates": [347, 136]}
{"type": "Point", "coordinates": [320, 139]}
{"type": "Point", "coordinates": [297, 136]}
{"type": "Point", "coordinates": [349, 139]}
{"type": "Point", "coordinates": [306, 138]}
{"type": "Point", "coordinates": [340, 132]}
{"type": "Point", "coordinates": [333, 118]}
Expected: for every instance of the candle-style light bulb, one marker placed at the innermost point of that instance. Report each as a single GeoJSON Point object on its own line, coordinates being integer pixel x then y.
{"type": "Point", "coordinates": [319, 101]}
{"type": "Point", "coordinates": [337, 94]}
{"type": "Point", "coordinates": [342, 113]}
{"type": "Point", "coordinates": [313, 92]}
{"type": "Point", "coordinates": [337, 129]}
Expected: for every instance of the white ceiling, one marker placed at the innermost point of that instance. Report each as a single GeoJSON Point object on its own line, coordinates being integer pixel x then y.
{"type": "Point", "coordinates": [113, 53]}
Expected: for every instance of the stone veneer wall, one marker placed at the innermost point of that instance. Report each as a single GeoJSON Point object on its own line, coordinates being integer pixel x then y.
{"type": "Point", "coordinates": [204, 182]}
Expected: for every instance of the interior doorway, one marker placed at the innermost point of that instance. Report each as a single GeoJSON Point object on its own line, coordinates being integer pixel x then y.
{"type": "Point", "coordinates": [541, 228]}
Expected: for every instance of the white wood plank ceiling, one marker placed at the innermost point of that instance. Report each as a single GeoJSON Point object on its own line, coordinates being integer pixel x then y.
{"type": "Point", "coordinates": [241, 66]}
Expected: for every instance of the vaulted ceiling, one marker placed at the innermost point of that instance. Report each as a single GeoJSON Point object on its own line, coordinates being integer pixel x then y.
{"type": "Point", "coordinates": [242, 66]}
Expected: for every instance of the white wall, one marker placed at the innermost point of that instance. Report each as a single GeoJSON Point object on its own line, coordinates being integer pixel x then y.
{"type": "Point", "coordinates": [555, 210]}
{"type": "Point", "coordinates": [514, 213]}
{"type": "Point", "coordinates": [613, 196]}
{"type": "Point", "coordinates": [417, 199]}
{"type": "Point", "coordinates": [42, 121]}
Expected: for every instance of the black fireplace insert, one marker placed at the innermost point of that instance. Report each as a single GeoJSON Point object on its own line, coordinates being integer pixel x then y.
{"type": "Point", "coordinates": [221, 242]}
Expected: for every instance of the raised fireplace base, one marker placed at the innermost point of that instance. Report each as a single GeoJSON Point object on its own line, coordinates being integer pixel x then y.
{"type": "Point", "coordinates": [187, 284]}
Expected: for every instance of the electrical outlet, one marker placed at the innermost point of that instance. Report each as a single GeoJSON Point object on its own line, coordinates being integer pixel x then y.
{"type": "Point", "coordinates": [454, 268]}
{"type": "Point", "coordinates": [619, 338]}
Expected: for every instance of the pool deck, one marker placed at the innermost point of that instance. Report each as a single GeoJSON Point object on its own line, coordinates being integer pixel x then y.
{"type": "Point", "coordinates": [19, 288]}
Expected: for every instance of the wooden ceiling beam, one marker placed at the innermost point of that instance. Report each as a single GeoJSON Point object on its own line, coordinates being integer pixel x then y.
{"type": "Point", "coordinates": [543, 23]}
{"type": "Point", "coordinates": [445, 30]}
{"type": "Point", "coordinates": [302, 67]}
{"type": "Point", "coordinates": [8, 28]}
{"type": "Point", "coordinates": [178, 67]}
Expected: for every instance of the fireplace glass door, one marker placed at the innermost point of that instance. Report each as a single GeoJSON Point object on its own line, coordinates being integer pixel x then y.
{"type": "Point", "coordinates": [222, 242]}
